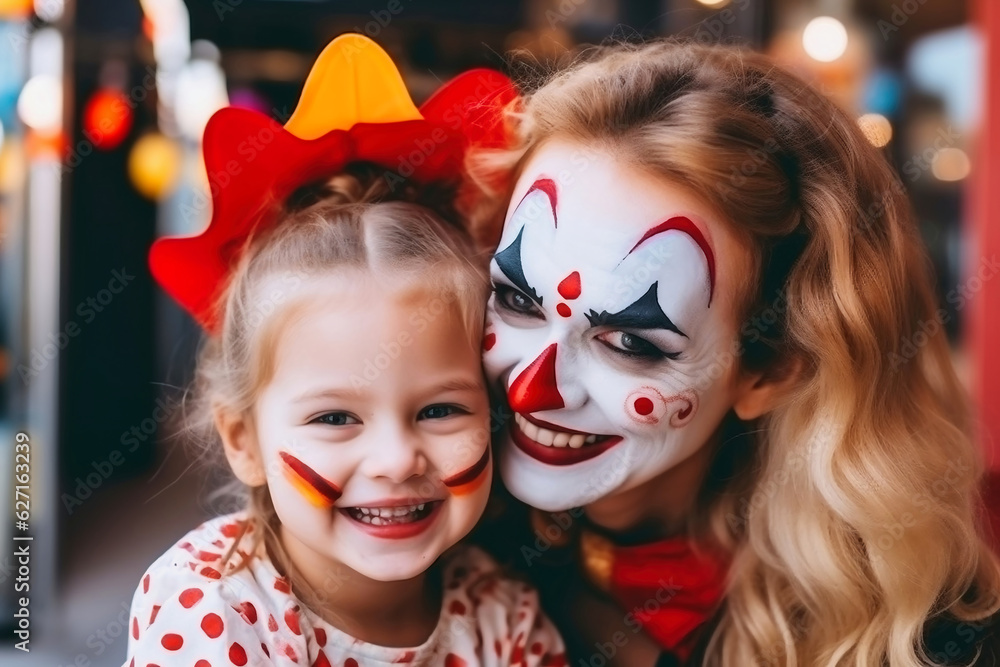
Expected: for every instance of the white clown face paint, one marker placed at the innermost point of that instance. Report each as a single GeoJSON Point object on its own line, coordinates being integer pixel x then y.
{"type": "Point", "coordinates": [612, 327]}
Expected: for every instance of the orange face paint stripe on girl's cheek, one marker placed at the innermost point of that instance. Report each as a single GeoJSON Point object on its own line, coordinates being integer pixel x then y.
{"type": "Point", "coordinates": [470, 479]}
{"type": "Point", "coordinates": [308, 482]}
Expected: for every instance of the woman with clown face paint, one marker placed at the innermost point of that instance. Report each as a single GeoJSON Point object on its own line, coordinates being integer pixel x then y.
{"type": "Point", "coordinates": [701, 288]}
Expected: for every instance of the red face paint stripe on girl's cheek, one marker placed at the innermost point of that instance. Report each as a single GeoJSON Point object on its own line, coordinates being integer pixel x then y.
{"type": "Point", "coordinates": [326, 494]}
{"type": "Point", "coordinates": [685, 225]}
{"type": "Point", "coordinates": [469, 475]}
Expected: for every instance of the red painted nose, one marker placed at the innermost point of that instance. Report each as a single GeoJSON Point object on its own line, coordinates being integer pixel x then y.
{"type": "Point", "coordinates": [535, 389]}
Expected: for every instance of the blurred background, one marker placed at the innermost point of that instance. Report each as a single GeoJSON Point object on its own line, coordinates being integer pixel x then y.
{"type": "Point", "coordinates": [103, 103]}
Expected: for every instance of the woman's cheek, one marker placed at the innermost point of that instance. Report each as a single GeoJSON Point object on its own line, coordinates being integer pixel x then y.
{"type": "Point", "coordinates": [650, 406]}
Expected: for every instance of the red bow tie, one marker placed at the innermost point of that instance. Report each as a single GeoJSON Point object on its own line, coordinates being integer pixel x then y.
{"type": "Point", "coordinates": [668, 587]}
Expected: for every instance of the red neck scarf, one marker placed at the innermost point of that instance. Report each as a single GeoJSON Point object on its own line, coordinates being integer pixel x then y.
{"type": "Point", "coordinates": [670, 589]}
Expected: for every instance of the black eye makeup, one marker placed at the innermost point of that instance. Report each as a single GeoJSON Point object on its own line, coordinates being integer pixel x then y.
{"type": "Point", "coordinates": [633, 346]}
{"type": "Point", "coordinates": [515, 301]}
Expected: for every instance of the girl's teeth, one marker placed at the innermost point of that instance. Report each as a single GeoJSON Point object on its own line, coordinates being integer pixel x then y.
{"type": "Point", "coordinates": [561, 440]}
{"type": "Point", "coordinates": [577, 440]}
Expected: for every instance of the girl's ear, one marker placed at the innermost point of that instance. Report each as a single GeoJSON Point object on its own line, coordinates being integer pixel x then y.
{"type": "Point", "coordinates": [240, 444]}
{"type": "Point", "coordinates": [759, 393]}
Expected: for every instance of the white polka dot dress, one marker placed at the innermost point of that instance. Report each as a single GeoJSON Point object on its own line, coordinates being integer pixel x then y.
{"type": "Point", "coordinates": [187, 613]}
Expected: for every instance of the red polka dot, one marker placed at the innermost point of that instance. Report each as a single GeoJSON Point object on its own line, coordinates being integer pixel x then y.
{"type": "Point", "coordinates": [203, 663]}
{"type": "Point", "coordinates": [212, 625]}
{"type": "Point", "coordinates": [208, 556]}
{"type": "Point", "coordinates": [210, 572]}
{"type": "Point", "coordinates": [186, 546]}
{"type": "Point", "coordinates": [132, 663]}
{"type": "Point", "coordinates": [272, 624]}
{"type": "Point", "coordinates": [563, 310]}
{"type": "Point", "coordinates": [456, 607]}
{"type": "Point", "coordinates": [230, 530]}
{"type": "Point", "coordinates": [406, 657]}
{"type": "Point", "coordinates": [452, 660]}
{"type": "Point", "coordinates": [237, 655]}
{"type": "Point", "coordinates": [191, 597]}
{"type": "Point", "coordinates": [321, 636]}
{"type": "Point", "coordinates": [218, 543]}
{"type": "Point", "coordinates": [350, 662]}
{"type": "Point", "coordinates": [643, 405]}
{"type": "Point", "coordinates": [280, 584]}
{"type": "Point", "coordinates": [292, 620]}
{"type": "Point", "coordinates": [248, 612]}
{"type": "Point", "coordinates": [145, 584]}
{"type": "Point", "coordinates": [264, 647]}
{"type": "Point", "coordinates": [498, 647]}
{"type": "Point", "coordinates": [172, 642]}
{"type": "Point", "coordinates": [537, 648]}
{"type": "Point", "coordinates": [135, 628]}
{"type": "Point", "coordinates": [152, 615]}
{"type": "Point", "coordinates": [321, 660]}
{"type": "Point", "coordinates": [288, 650]}
{"type": "Point", "coordinates": [489, 340]}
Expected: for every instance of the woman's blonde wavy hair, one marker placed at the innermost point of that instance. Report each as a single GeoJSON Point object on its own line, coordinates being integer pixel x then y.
{"type": "Point", "coordinates": [855, 517]}
{"type": "Point", "coordinates": [354, 221]}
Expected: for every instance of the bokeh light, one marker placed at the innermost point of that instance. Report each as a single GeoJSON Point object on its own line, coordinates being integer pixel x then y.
{"type": "Point", "coordinates": [951, 164]}
{"type": "Point", "coordinates": [825, 39]}
{"type": "Point", "coordinates": [40, 104]}
{"type": "Point", "coordinates": [876, 128]}
{"type": "Point", "coordinates": [154, 165]}
{"type": "Point", "coordinates": [107, 119]}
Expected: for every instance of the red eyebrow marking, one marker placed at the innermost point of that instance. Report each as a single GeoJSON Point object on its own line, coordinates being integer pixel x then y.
{"type": "Point", "coordinates": [462, 482]}
{"type": "Point", "coordinates": [309, 483]}
{"type": "Point", "coordinates": [548, 186]}
{"type": "Point", "coordinates": [685, 225]}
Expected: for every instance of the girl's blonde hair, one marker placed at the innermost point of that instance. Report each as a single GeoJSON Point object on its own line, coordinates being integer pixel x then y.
{"type": "Point", "coordinates": [852, 509]}
{"type": "Point", "coordinates": [359, 220]}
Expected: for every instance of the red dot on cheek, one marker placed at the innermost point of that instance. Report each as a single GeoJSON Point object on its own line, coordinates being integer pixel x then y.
{"type": "Point", "coordinates": [563, 310]}
{"type": "Point", "coordinates": [643, 406]}
{"type": "Point", "coordinates": [489, 340]}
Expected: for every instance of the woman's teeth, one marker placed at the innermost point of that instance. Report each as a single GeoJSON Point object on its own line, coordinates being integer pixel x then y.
{"type": "Point", "coordinates": [384, 516]}
{"type": "Point", "coordinates": [544, 436]}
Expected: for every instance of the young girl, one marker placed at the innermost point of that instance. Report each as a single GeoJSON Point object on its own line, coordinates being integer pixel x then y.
{"type": "Point", "coordinates": [709, 319]}
{"type": "Point", "coordinates": [343, 382]}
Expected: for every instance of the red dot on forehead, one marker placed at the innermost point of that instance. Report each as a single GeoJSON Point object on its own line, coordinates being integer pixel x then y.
{"type": "Point", "coordinates": [643, 405]}
{"type": "Point", "coordinates": [569, 288]}
{"type": "Point", "coordinates": [564, 310]}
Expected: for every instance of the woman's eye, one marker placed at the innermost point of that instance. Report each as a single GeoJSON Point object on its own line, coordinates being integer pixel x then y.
{"type": "Point", "coordinates": [336, 419]}
{"type": "Point", "coordinates": [439, 411]}
{"type": "Point", "coordinates": [634, 346]}
{"type": "Point", "coordinates": [516, 301]}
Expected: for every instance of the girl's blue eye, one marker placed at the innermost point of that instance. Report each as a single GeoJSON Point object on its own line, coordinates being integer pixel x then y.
{"type": "Point", "coordinates": [337, 419]}
{"type": "Point", "coordinates": [439, 411]}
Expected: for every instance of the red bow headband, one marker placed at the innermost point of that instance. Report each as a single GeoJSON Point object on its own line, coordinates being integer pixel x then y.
{"type": "Point", "coordinates": [354, 107]}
